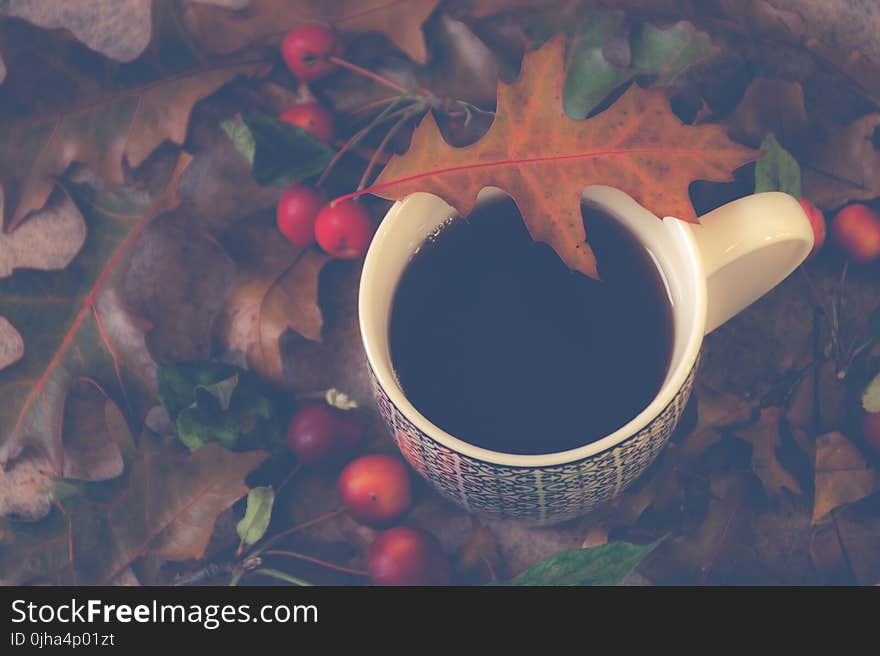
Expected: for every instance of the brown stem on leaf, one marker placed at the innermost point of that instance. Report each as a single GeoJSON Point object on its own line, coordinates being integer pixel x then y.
{"type": "Point", "coordinates": [360, 70]}
{"type": "Point", "coordinates": [299, 527]}
{"type": "Point", "coordinates": [380, 149]}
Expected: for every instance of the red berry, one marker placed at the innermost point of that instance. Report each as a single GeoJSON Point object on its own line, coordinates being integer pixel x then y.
{"type": "Point", "coordinates": [312, 117]}
{"type": "Point", "coordinates": [319, 434]}
{"type": "Point", "coordinates": [344, 230]}
{"type": "Point", "coordinates": [296, 213]}
{"type": "Point", "coordinates": [306, 50]}
{"type": "Point", "coordinates": [871, 429]}
{"type": "Point", "coordinates": [407, 556]}
{"type": "Point", "coordinates": [817, 221]}
{"type": "Point", "coordinates": [375, 489]}
{"type": "Point", "coordinates": [856, 231]}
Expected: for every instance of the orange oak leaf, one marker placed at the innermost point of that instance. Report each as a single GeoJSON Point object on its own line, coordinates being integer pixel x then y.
{"type": "Point", "coordinates": [544, 159]}
{"type": "Point", "coordinates": [222, 31]}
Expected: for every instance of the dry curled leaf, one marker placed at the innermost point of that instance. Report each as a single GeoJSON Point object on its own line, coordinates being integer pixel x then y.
{"type": "Point", "coordinates": [765, 440]}
{"type": "Point", "coordinates": [106, 134]}
{"type": "Point", "coordinates": [275, 290]}
{"type": "Point", "coordinates": [544, 159]}
{"type": "Point", "coordinates": [11, 344]}
{"type": "Point", "coordinates": [845, 166]}
{"type": "Point", "coordinates": [119, 29]}
{"type": "Point", "coordinates": [166, 508]}
{"type": "Point", "coordinates": [842, 475]}
{"type": "Point", "coordinates": [265, 21]}
{"type": "Point", "coordinates": [73, 325]}
{"type": "Point", "coordinates": [769, 106]}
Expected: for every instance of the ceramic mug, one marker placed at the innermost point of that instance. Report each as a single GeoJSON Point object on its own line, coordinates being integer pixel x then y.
{"type": "Point", "coordinates": [713, 270]}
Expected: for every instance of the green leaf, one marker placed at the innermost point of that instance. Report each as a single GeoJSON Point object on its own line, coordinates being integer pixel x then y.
{"type": "Point", "coordinates": [871, 396]}
{"type": "Point", "coordinates": [217, 402]}
{"type": "Point", "coordinates": [241, 136]}
{"type": "Point", "coordinates": [668, 52]}
{"type": "Point", "coordinates": [605, 565]}
{"type": "Point", "coordinates": [590, 77]}
{"type": "Point", "coordinates": [253, 525]}
{"type": "Point", "coordinates": [165, 507]}
{"type": "Point", "coordinates": [777, 170]}
{"type": "Point", "coordinates": [282, 153]}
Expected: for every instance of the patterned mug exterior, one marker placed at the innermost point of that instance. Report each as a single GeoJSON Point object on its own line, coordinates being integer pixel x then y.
{"type": "Point", "coordinates": [539, 495]}
{"type": "Point", "coordinates": [713, 270]}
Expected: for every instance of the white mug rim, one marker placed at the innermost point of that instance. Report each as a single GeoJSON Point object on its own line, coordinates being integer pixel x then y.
{"type": "Point", "coordinates": [385, 378]}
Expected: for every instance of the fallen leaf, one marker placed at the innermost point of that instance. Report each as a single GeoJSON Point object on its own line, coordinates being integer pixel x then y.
{"type": "Point", "coordinates": [61, 316]}
{"type": "Point", "coordinates": [666, 52]}
{"type": "Point", "coordinates": [104, 134]}
{"type": "Point", "coordinates": [859, 68]}
{"type": "Point", "coordinates": [773, 22]}
{"type": "Point", "coordinates": [165, 507]}
{"type": "Point", "coordinates": [257, 515]}
{"type": "Point", "coordinates": [11, 344]}
{"type": "Point", "coordinates": [826, 554]}
{"type": "Point", "coordinates": [49, 241]}
{"type": "Point", "coordinates": [770, 106]}
{"type": "Point", "coordinates": [480, 554]}
{"type": "Point", "coordinates": [276, 289]}
{"type": "Point", "coordinates": [177, 280]}
{"type": "Point", "coordinates": [266, 21]}
{"type": "Point", "coordinates": [545, 159]}
{"type": "Point", "coordinates": [777, 170]}
{"type": "Point", "coordinates": [92, 448]}
{"type": "Point", "coordinates": [663, 490]}
{"type": "Point", "coordinates": [24, 489]}
{"type": "Point", "coordinates": [845, 166]}
{"type": "Point", "coordinates": [595, 537]}
{"type": "Point", "coordinates": [119, 29]}
{"type": "Point", "coordinates": [605, 565]}
{"type": "Point", "coordinates": [871, 395]}
{"type": "Point", "coordinates": [842, 475]}
{"type": "Point", "coordinates": [764, 438]}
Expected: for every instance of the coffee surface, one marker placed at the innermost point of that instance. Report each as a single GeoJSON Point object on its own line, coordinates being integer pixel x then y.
{"type": "Point", "coordinates": [498, 343]}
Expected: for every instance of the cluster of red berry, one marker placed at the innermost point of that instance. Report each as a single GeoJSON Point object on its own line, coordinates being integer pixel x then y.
{"type": "Point", "coordinates": [375, 490]}
{"type": "Point", "coordinates": [304, 216]}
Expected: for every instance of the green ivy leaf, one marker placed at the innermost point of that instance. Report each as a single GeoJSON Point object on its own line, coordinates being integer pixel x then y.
{"type": "Point", "coordinates": [280, 153]}
{"type": "Point", "coordinates": [777, 170]}
{"type": "Point", "coordinates": [253, 525]}
{"type": "Point", "coordinates": [605, 565]}
{"type": "Point", "coordinates": [217, 402]}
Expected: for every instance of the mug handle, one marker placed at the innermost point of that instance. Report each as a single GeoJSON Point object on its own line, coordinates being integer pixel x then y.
{"type": "Point", "coordinates": [748, 247]}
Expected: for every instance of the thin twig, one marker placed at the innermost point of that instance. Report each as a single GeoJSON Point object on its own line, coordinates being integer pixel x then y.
{"type": "Point", "coordinates": [360, 70]}
{"type": "Point", "coordinates": [316, 561]}
{"type": "Point", "coordinates": [376, 104]}
{"type": "Point", "coordinates": [282, 576]}
{"type": "Point", "coordinates": [371, 165]}
{"type": "Point", "coordinates": [299, 527]}
{"type": "Point", "coordinates": [292, 473]}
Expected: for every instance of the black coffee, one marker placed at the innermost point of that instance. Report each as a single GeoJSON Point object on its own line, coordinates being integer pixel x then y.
{"type": "Point", "coordinates": [497, 342]}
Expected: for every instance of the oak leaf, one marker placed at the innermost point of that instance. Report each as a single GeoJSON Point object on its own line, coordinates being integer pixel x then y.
{"type": "Point", "coordinates": [73, 325]}
{"type": "Point", "coordinates": [222, 31]}
{"type": "Point", "coordinates": [275, 289]}
{"type": "Point", "coordinates": [119, 29]}
{"type": "Point", "coordinates": [544, 159]}
{"type": "Point", "coordinates": [842, 474]}
{"type": "Point", "coordinates": [770, 106]}
{"type": "Point", "coordinates": [764, 438]}
{"type": "Point", "coordinates": [165, 507]}
{"type": "Point", "coordinates": [105, 132]}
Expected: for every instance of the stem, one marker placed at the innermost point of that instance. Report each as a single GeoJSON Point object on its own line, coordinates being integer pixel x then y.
{"type": "Point", "coordinates": [292, 473]}
{"type": "Point", "coordinates": [381, 79]}
{"type": "Point", "coordinates": [277, 574]}
{"type": "Point", "coordinates": [299, 527]}
{"type": "Point", "coordinates": [360, 134]}
{"type": "Point", "coordinates": [376, 104]}
{"type": "Point", "coordinates": [492, 575]}
{"type": "Point", "coordinates": [811, 286]}
{"type": "Point", "coordinates": [316, 561]}
{"type": "Point", "coordinates": [371, 165]}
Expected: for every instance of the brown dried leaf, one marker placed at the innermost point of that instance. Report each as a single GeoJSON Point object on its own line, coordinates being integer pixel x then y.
{"type": "Point", "coordinates": [120, 29]}
{"type": "Point", "coordinates": [11, 344]}
{"type": "Point", "coordinates": [92, 450]}
{"type": "Point", "coordinates": [826, 553]}
{"type": "Point", "coordinates": [276, 289]}
{"type": "Point", "coordinates": [480, 553]}
{"type": "Point", "coordinates": [845, 166]}
{"type": "Point", "coordinates": [23, 488]}
{"type": "Point", "coordinates": [859, 531]}
{"type": "Point", "coordinates": [842, 474]}
{"type": "Point", "coordinates": [266, 21]}
{"type": "Point", "coordinates": [769, 106]}
{"type": "Point", "coordinates": [764, 438]}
